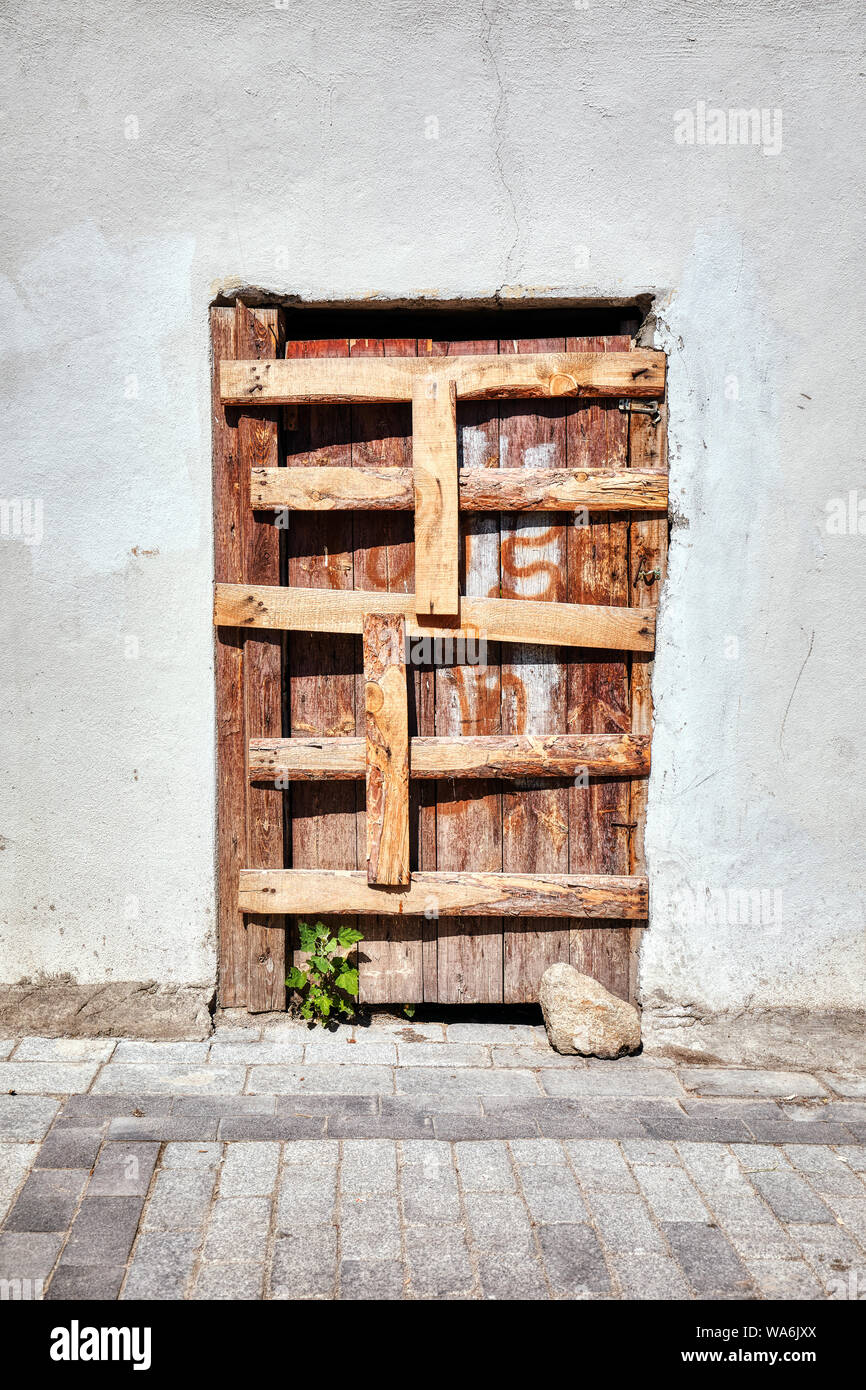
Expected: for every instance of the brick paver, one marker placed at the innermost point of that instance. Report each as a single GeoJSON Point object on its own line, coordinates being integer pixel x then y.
{"type": "Point", "coordinates": [426, 1161]}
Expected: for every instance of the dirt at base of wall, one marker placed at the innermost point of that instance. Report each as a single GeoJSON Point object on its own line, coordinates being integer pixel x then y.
{"type": "Point", "coordinates": [126, 1009]}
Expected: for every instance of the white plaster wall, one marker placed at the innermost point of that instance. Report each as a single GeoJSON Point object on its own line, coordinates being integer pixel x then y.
{"type": "Point", "coordinates": [285, 147]}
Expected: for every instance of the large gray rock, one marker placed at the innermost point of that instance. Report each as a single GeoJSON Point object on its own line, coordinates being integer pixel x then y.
{"type": "Point", "coordinates": [583, 1017]}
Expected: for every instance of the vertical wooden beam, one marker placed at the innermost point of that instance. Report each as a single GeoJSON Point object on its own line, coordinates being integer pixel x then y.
{"type": "Point", "coordinates": [229, 667]}
{"type": "Point", "coordinates": [258, 333]}
{"type": "Point", "coordinates": [387, 726]}
{"type": "Point", "coordinates": [534, 685]}
{"type": "Point", "coordinates": [390, 959]}
{"type": "Point", "coordinates": [599, 689]}
{"type": "Point", "coordinates": [648, 553]}
{"type": "Point", "coordinates": [434, 461]}
{"type": "Point", "coordinates": [468, 832]}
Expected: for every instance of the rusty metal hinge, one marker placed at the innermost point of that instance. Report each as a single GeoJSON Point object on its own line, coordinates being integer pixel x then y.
{"type": "Point", "coordinates": [650, 408]}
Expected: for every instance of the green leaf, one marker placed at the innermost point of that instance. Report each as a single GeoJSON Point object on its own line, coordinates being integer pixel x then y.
{"type": "Point", "coordinates": [320, 963]}
{"type": "Point", "coordinates": [348, 981]}
{"type": "Point", "coordinates": [296, 979]}
{"type": "Point", "coordinates": [348, 936]}
{"type": "Point", "coordinates": [307, 937]}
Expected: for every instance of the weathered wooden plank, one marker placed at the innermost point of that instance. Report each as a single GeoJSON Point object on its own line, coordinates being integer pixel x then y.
{"type": "Point", "coordinates": [434, 468]}
{"type": "Point", "coordinates": [598, 686]}
{"type": "Point", "coordinates": [322, 685]}
{"type": "Point", "coordinates": [534, 689]}
{"type": "Point", "coordinates": [387, 750]}
{"type": "Point", "coordinates": [484, 755]}
{"type": "Point", "coordinates": [466, 700]}
{"type": "Point", "coordinates": [499, 620]}
{"type": "Point", "coordinates": [480, 489]}
{"type": "Point", "coordinates": [258, 332]}
{"type": "Point", "coordinates": [229, 660]}
{"type": "Point", "coordinates": [479, 377]}
{"type": "Point", "coordinates": [455, 894]}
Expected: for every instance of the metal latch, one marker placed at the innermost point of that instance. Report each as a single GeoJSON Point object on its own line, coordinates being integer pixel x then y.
{"type": "Point", "coordinates": [650, 408]}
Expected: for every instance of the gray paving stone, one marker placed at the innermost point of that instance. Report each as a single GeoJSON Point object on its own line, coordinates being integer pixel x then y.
{"type": "Point", "coordinates": [465, 1081]}
{"type": "Point", "coordinates": [369, 1165]}
{"type": "Point", "coordinates": [305, 1264]}
{"type": "Point", "coordinates": [507, 1278]}
{"type": "Point", "coordinates": [162, 1266]}
{"type": "Point", "coordinates": [225, 1031]}
{"type": "Point", "coordinates": [826, 1170]}
{"type": "Point", "coordinates": [651, 1151]}
{"type": "Point", "coordinates": [267, 1128]}
{"type": "Point", "coordinates": [684, 1128]}
{"type": "Point", "coordinates": [321, 1078]}
{"type": "Point", "coordinates": [552, 1195]}
{"type": "Point", "coordinates": [600, 1166]}
{"type": "Point", "coordinates": [160, 1054]}
{"type": "Point", "coordinates": [91, 1112]}
{"type": "Point", "coordinates": [438, 1261]}
{"type": "Point", "coordinates": [573, 1259]}
{"type": "Point", "coordinates": [26, 1117]}
{"type": "Point", "coordinates": [485, 1167]}
{"type": "Point", "coordinates": [429, 1104]}
{"type": "Point", "coordinates": [64, 1049]}
{"type": "Point", "coordinates": [224, 1107]}
{"type": "Point", "coordinates": [855, 1157]}
{"type": "Point", "coordinates": [359, 1052]}
{"type": "Point", "coordinates": [709, 1263]}
{"type": "Point", "coordinates": [498, 1222]}
{"type": "Point", "coordinates": [713, 1166]}
{"type": "Point", "coordinates": [761, 1158]}
{"type": "Point", "coordinates": [180, 1201]}
{"type": "Point", "coordinates": [48, 1200]}
{"type": "Point", "coordinates": [830, 1251]}
{"type": "Point", "coordinates": [671, 1196]}
{"type": "Point", "coordinates": [792, 1133]}
{"type": "Point", "coordinates": [70, 1148]}
{"type": "Point", "coordinates": [515, 1034]}
{"type": "Point", "coordinates": [850, 1084]}
{"type": "Point", "coordinates": [85, 1283]}
{"type": "Point", "coordinates": [124, 1169]}
{"type": "Point", "coordinates": [503, 1125]}
{"type": "Point", "coordinates": [610, 1082]}
{"type": "Point", "coordinates": [532, 1057]}
{"type": "Point", "coordinates": [306, 1196]}
{"type": "Point", "coordinates": [750, 1225]}
{"type": "Point", "coordinates": [228, 1282]}
{"type": "Point", "coordinates": [51, 1078]}
{"type": "Point", "coordinates": [852, 1211]}
{"type": "Point", "coordinates": [622, 1220]}
{"type": "Point", "coordinates": [288, 1052]}
{"type": "Point", "coordinates": [250, 1169]}
{"type": "Point", "coordinates": [538, 1151]}
{"type": "Point", "coordinates": [188, 1154]}
{"type": "Point", "coordinates": [651, 1277]}
{"type": "Point", "coordinates": [316, 1153]}
{"type": "Point", "coordinates": [791, 1198]}
{"type": "Point", "coordinates": [157, 1128]}
{"type": "Point", "coordinates": [370, 1228]}
{"type": "Point", "coordinates": [103, 1231]}
{"type": "Point", "coordinates": [387, 1127]}
{"type": "Point", "coordinates": [375, 1280]}
{"type": "Point", "coordinates": [429, 1187]}
{"type": "Point", "coordinates": [28, 1256]}
{"type": "Point", "coordinates": [444, 1055]}
{"type": "Point", "coordinates": [742, 1081]}
{"type": "Point", "coordinates": [238, 1230]}
{"type": "Point", "coordinates": [16, 1160]}
{"type": "Point", "coordinates": [404, 1030]}
{"type": "Point", "coordinates": [784, 1279]}
{"type": "Point", "coordinates": [117, 1079]}
{"type": "Point", "coordinates": [6, 1046]}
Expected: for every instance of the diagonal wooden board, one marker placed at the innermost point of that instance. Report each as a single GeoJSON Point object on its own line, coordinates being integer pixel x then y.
{"type": "Point", "coordinates": [387, 749]}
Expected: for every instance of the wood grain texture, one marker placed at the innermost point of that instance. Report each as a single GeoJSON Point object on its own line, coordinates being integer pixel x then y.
{"type": "Point", "coordinates": [479, 377]}
{"type": "Point", "coordinates": [483, 755]}
{"type": "Point", "coordinates": [387, 750]}
{"type": "Point", "coordinates": [532, 434]}
{"type": "Point", "coordinates": [229, 673]}
{"type": "Point", "coordinates": [598, 686]}
{"type": "Point", "coordinates": [499, 620]}
{"type": "Point", "coordinates": [451, 894]}
{"type": "Point", "coordinates": [258, 333]}
{"type": "Point", "coordinates": [434, 468]}
{"type": "Point", "coordinates": [480, 489]}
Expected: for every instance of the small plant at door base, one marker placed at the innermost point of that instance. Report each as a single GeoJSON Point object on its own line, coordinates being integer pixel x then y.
{"type": "Point", "coordinates": [329, 984]}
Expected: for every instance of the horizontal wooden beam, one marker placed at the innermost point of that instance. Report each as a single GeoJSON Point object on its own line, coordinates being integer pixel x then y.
{"type": "Point", "coordinates": [324, 891]}
{"type": "Point", "coordinates": [490, 619]}
{"type": "Point", "coordinates": [311, 759]}
{"type": "Point", "coordinates": [478, 377]}
{"type": "Point", "coordinates": [480, 489]}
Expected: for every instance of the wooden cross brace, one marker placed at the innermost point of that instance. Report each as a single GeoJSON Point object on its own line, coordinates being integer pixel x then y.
{"type": "Point", "coordinates": [433, 385]}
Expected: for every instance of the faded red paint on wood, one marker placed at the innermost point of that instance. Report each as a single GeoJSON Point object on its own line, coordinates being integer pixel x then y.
{"type": "Point", "coordinates": [598, 693]}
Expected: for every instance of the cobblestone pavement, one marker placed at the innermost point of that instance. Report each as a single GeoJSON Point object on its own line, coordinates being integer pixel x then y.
{"type": "Point", "coordinates": [425, 1162]}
